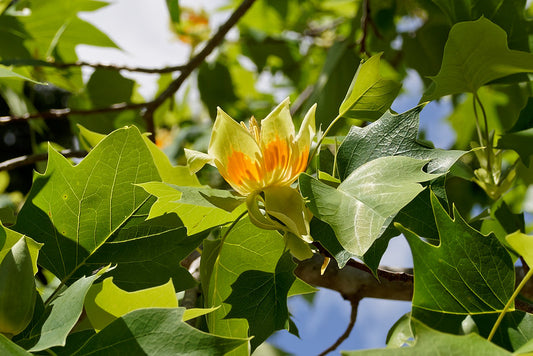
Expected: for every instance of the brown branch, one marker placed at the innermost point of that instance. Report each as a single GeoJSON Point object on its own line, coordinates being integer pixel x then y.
{"type": "Point", "coordinates": [59, 65]}
{"type": "Point", "coordinates": [30, 159]}
{"type": "Point", "coordinates": [366, 20]}
{"type": "Point", "coordinates": [61, 113]}
{"type": "Point", "coordinates": [353, 317]}
{"type": "Point", "coordinates": [355, 280]}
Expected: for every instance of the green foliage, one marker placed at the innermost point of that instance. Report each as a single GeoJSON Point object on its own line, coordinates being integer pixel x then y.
{"type": "Point", "coordinates": [441, 287]}
{"type": "Point", "coordinates": [367, 200]}
{"type": "Point", "coordinates": [476, 53]}
{"type": "Point", "coordinates": [428, 341]}
{"type": "Point", "coordinates": [124, 252]}
{"type": "Point", "coordinates": [261, 298]}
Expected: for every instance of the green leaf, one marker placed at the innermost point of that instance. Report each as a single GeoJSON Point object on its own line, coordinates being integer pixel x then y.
{"type": "Point", "coordinates": [365, 203]}
{"type": "Point", "coordinates": [174, 11]}
{"type": "Point", "coordinates": [193, 313]}
{"type": "Point", "coordinates": [261, 298]}
{"type": "Point", "coordinates": [369, 95]}
{"type": "Point", "coordinates": [523, 244]}
{"type": "Point", "coordinates": [520, 142]}
{"type": "Point", "coordinates": [508, 14]}
{"type": "Point", "coordinates": [74, 210]}
{"type": "Point", "coordinates": [5, 72]}
{"type": "Point", "coordinates": [475, 54]}
{"type": "Point", "coordinates": [149, 256]}
{"type": "Point", "coordinates": [215, 86]}
{"type": "Point", "coordinates": [60, 316]}
{"type": "Point", "coordinates": [200, 208]}
{"type": "Point", "coordinates": [105, 302]}
{"type": "Point", "coordinates": [17, 285]}
{"type": "Point", "coordinates": [391, 135]}
{"type": "Point", "coordinates": [7, 347]}
{"type": "Point", "coordinates": [156, 331]}
{"type": "Point", "coordinates": [515, 330]}
{"type": "Point", "coordinates": [431, 342]}
{"type": "Point", "coordinates": [245, 248]}
{"type": "Point", "coordinates": [468, 273]}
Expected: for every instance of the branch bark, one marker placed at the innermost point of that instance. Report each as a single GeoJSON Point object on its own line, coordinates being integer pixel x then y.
{"type": "Point", "coordinates": [30, 159]}
{"type": "Point", "coordinates": [59, 65]}
{"type": "Point", "coordinates": [355, 280]}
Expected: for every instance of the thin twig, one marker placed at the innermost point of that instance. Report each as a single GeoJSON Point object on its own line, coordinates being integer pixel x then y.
{"type": "Point", "coordinates": [59, 65]}
{"type": "Point", "coordinates": [61, 113]}
{"type": "Point", "coordinates": [30, 159]}
{"type": "Point", "coordinates": [366, 20]}
{"type": "Point", "coordinates": [202, 55]}
{"type": "Point", "coordinates": [353, 316]}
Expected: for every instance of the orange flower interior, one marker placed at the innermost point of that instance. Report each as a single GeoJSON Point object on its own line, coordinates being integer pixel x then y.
{"type": "Point", "coordinates": [279, 165]}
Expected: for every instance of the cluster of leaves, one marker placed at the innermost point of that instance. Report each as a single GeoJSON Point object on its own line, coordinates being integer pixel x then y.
{"type": "Point", "coordinates": [98, 257]}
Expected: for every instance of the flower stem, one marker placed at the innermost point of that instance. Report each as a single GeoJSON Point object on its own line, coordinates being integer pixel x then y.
{"type": "Point", "coordinates": [509, 302]}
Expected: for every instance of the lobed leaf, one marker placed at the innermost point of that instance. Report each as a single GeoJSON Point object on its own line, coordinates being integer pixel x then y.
{"type": "Point", "coordinates": [364, 204]}
{"type": "Point", "coordinates": [468, 273]}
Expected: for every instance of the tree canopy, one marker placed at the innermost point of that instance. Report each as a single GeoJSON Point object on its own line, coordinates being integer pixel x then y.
{"type": "Point", "coordinates": [183, 221]}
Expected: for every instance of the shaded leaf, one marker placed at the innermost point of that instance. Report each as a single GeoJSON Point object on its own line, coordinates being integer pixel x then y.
{"type": "Point", "coordinates": [365, 203]}
{"type": "Point", "coordinates": [333, 82]}
{"type": "Point", "coordinates": [261, 298]}
{"type": "Point", "coordinates": [521, 142]}
{"type": "Point", "coordinates": [245, 248]}
{"type": "Point", "coordinates": [73, 210]}
{"type": "Point", "coordinates": [515, 330]}
{"type": "Point", "coordinates": [369, 95]}
{"type": "Point", "coordinates": [156, 331]}
{"type": "Point", "coordinates": [391, 135]}
{"type": "Point", "coordinates": [468, 273]}
{"type": "Point", "coordinates": [149, 257]}
{"type": "Point", "coordinates": [475, 54]}
{"type": "Point", "coordinates": [508, 14]}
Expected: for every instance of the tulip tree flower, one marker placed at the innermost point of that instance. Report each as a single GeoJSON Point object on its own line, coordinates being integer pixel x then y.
{"type": "Point", "coordinates": [261, 162]}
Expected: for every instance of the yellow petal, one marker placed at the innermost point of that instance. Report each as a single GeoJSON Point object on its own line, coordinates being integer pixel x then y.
{"type": "Point", "coordinates": [235, 152]}
{"type": "Point", "coordinates": [278, 125]}
{"type": "Point", "coordinates": [307, 130]}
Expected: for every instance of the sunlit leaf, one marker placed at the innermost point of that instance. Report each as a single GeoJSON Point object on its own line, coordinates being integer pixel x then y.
{"type": "Point", "coordinates": [73, 210]}
{"type": "Point", "coordinates": [105, 302]}
{"type": "Point", "coordinates": [369, 95]}
{"type": "Point", "coordinates": [200, 208]}
{"type": "Point", "coordinates": [365, 203]}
